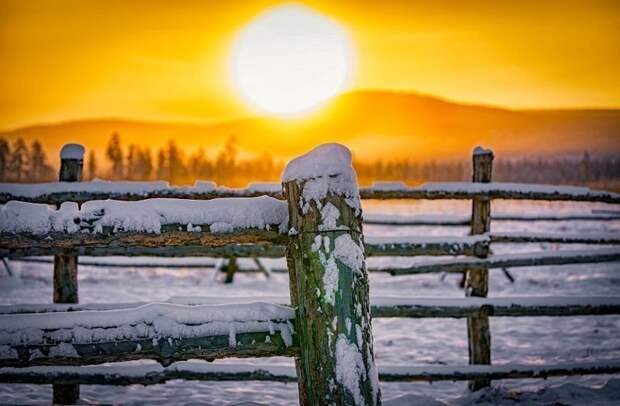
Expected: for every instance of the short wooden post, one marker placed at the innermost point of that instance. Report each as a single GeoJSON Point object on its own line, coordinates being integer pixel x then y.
{"type": "Point", "coordinates": [329, 280]}
{"type": "Point", "coordinates": [65, 266]}
{"type": "Point", "coordinates": [477, 279]}
{"type": "Point", "coordinates": [231, 268]}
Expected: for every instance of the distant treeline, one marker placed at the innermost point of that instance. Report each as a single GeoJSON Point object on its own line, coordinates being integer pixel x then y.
{"type": "Point", "coordinates": [20, 162]}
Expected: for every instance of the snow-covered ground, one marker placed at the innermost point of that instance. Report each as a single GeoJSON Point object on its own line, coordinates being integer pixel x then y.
{"type": "Point", "coordinates": [400, 342]}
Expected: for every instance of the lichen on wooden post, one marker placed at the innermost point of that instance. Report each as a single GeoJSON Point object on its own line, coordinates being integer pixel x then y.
{"type": "Point", "coordinates": [329, 280]}
{"type": "Point", "coordinates": [65, 266]}
{"type": "Point", "coordinates": [477, 279]}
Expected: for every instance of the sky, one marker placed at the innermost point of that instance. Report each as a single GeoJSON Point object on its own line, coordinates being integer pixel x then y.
{"type": "Point", "coordinates": [69, 59]}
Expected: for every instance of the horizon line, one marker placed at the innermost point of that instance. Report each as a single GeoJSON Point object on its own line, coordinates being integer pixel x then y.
{"type": "Point", "coordinates": [137, 118]}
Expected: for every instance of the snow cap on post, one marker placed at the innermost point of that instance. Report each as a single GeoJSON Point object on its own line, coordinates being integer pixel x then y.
{"type": "Point", "coordinates": [324, 160]}
{"type": "Point", "coordinates": [482, 151]}
{"type": "Point", "coordinates": [72, 151]}
{"type": "Point", "coordinates": [325, 179]}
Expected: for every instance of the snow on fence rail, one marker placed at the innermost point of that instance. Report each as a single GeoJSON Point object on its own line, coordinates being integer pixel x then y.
{"type": "Point", "coordinates": [459, 265]}
{"type": "Point", "coordinates": [455, 220]}
{"type": "Point", "coordinates": [203, 371]}
{"type": "Point", "coordinates": [59, 192]}
{"type": "Point", "coordinates": [318, 228]}
{"type": "Point", "coordinates": [162, 331]}
{"type": "Point", "coordinates": [382, 306]}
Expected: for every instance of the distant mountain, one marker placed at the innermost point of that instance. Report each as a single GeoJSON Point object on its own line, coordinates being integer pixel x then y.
{"type": "Point", "coordinates": [375, 124]}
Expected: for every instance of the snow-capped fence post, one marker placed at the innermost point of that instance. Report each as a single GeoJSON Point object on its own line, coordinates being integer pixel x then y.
{"type": "Point", "coordinates": [329, 280]}
{"type": "Point", "coordinates": [477, 279]}
{"type": "Point", "coordinates": [65, 266]}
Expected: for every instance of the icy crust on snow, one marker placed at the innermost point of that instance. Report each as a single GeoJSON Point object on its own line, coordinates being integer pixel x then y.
{"type": "Point", "coordinates": [226, 214]}
{"type": "Point", "coordinates": [155, 320]}
{"type": "Point", "coordinates": [72, 151]}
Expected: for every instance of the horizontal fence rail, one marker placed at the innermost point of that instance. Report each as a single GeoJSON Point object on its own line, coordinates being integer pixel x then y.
{"type": "Point", "coordinates": [385, 306]}
{"type": "Point", "coordinates": [201, 371]}
{"type": "Point", "coordinates": [58, 192]}
{"type": "Point", "coordinates": [249, 243]}
{"type": "Point", "coordinates": [459, 265]}
{"type": "Point", "coordinates": [161, 331]}
{"type": "Point", "coordinates": [455, 220]}
{"type": "Point", "coordinates": [270, 244]}
{"type": "Point", "coordinates": [491, 190]}
{"type": "Point", "coordinates": [453, 265]}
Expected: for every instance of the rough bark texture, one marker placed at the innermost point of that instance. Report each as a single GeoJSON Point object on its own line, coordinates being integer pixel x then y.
{"type": "Point", "coordinates": [169, 243]}
{"type": "Point", "coordinates": [477, 279]}
{"type": "Point", "coordinates": [329, 315]}
{"type": "Point", "coordinates": [66, 278]}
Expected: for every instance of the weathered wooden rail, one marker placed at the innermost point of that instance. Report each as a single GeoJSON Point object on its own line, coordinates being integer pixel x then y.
{"type": "Point", "coordinates": [201, 371]}
{"type": "Point", "coordinates": [57, 193]}
{"type": "Point", "coordinates": [325, 250]}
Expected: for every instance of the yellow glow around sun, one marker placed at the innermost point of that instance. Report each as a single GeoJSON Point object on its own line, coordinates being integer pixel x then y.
{"type": "Point", "coordinates": [290, 59]}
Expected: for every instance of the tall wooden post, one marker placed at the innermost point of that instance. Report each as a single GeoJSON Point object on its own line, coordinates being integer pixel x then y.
{"type": "Point", "coordinates": [329, 280]}
{"type": "Point", "coordinates": [65, 266]}
{"type": "Point", "coordinates": [477, 279]}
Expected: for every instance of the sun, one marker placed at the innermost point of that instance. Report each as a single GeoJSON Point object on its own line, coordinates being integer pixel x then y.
{"type": "Point", "coordinates": [291, 59]}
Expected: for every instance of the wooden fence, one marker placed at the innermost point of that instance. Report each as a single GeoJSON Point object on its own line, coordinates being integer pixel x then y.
{"type": "Point", "coordinates": [325, 324]}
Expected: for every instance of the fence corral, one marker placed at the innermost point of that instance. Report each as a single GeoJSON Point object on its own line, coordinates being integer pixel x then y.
{"type": "Point", "coordinates": [319, 230]}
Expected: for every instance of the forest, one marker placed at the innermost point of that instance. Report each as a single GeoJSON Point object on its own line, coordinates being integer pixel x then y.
{"type": "Point", "coordinates": [20, 162]}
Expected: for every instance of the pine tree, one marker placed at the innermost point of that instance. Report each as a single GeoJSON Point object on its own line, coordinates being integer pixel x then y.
{"type": "Point", "coordinates": [162, 165]}
{"type": "Point", "coordinates": [146, 162]}
{"type": "Point", "coordinates": [19, 161]}
{"type": "Point", "coordinates": [92, 165]}
{"type": "Point", "coordinates": [132, 163]}
{"type": "Point", "coordinates": [5, 155]}
{"type": "Point", "coordinates": [39, 169]}
{"type": "Point", "coordinates": [114, 153]}
{"type": "Point", "coordinates": [176, 170]}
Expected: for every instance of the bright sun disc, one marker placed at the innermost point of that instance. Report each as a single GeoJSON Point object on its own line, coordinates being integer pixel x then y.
{"type": "Point", "coordinates": [290, 59]}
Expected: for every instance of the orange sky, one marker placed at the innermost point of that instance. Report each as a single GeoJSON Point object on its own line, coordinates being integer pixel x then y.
{"type": "Point", "coordinates": [73, 59]}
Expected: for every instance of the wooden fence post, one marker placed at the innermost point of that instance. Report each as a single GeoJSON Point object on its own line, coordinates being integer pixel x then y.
{"type": "Point", "coordinates": [477, 279]}
{"type": "Point", "coordinates": [329, 280]}
{"type": "Point", "coordinates": [65, 266]}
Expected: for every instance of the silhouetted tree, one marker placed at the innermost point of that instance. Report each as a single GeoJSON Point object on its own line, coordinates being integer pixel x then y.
{"type": "Point", "coordinates": [146, 163]}
{"type": "Point", "coordinates": [162, 165]}
{"type": "Point", "coordinates": [5, 152]}
{"type": "Point", "coordinates": [176, 170]}
{"type": "Point", "coordinates": [114, 153]}
{"type": "Point", "coordinates": [39, 169]}
{"type": "Point", "coordinates": [132, 163]}
{"type": "Point", "coordinates": [19, 160]}
{"type": "Point", "coordinates": [91, 163]}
